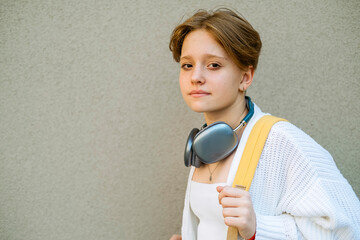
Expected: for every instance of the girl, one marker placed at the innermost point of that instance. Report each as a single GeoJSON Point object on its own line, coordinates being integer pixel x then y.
{"type": "Point", "coordinates": [297, 191]}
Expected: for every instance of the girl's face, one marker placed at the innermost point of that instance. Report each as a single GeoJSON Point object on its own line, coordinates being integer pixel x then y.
{"type": "Point", "coordinates": [210, 82]}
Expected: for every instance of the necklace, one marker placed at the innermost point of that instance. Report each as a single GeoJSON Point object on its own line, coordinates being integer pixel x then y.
{"type": "Point", "coordinates": [211, 172]}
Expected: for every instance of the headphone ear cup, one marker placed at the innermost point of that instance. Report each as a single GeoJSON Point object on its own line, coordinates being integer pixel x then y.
{"type": "Point", "coordinates": [196, 161]}
{"type": "Point", "coordinates": [187, 160]}
{"type": "Point", "coordinates": [189, 153]}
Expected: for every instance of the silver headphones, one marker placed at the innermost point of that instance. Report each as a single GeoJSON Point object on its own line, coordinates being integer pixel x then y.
{"type": "Point", "coordinates": [214, 142]}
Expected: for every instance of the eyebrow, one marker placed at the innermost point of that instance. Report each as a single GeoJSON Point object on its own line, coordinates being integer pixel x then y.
{"type": "Point", "coordinates": [205, 55]}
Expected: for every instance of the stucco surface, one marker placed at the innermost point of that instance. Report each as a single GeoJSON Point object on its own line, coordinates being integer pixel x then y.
{"type": "Point", "coordinates": [93, 125]}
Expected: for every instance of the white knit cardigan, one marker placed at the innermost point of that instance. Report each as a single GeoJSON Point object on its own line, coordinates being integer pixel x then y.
{"type": "Point", "coordinates": [297, 191]}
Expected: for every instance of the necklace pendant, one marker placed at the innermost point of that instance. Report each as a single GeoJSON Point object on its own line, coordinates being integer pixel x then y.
{"type": "Point", "coordinates": [210, 178]}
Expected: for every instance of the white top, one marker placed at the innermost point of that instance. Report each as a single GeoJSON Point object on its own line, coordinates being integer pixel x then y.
{"type": "Point", "coordinates": [297, 191]}
{"type": "Point", "coordinates": [204, 202]}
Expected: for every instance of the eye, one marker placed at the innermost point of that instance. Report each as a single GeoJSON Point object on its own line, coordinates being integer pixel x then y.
{"type": "Point", "coordinates": [186, 66]}
{"type": "Point", "coordinates": [214, 66]}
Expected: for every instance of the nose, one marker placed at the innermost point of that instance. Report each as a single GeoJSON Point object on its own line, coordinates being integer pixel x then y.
{"type": "Point", "coordinates": [197, 76]}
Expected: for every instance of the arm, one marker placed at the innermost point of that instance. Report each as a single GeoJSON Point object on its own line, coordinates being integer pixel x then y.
{"type": "Point", "coordinates": [319, 214]}
{"type": "Point", "coordinates": [298, 192]}
{"type": "Point", "coordinates": [315, 216]}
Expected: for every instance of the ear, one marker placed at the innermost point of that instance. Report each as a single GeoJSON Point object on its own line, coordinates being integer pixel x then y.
{"type": "Point", "coordinates": [246, 79]}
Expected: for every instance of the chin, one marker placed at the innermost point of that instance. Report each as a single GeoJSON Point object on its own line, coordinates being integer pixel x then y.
{"type": "Point", "coordinates": [196, 108]}
{"type": "Point", "coordinates": [202, 107]}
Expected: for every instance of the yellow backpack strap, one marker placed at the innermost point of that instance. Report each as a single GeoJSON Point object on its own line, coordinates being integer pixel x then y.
{"type": "Point", "coordinates": [250, 158]}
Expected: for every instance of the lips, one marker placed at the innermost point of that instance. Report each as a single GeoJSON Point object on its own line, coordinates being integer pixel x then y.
{"type": "Point", "coordinates": [199, 93]}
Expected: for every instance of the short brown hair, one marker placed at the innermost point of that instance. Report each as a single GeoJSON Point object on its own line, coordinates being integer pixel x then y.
{"type": "Point", "coordinates": [239, 39]}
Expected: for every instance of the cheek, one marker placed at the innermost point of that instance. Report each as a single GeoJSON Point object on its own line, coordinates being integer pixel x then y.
{"type": "Point", "coordinates": [227, 89]}
{"type": "Point", "coordinates": [232, 85]}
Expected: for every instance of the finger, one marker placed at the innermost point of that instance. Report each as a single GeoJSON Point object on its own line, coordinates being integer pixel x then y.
{"type": "Point", "coordinates": [244, 202]}
{"type": "Point", "coordinates": [232, 192]}
{"type": "Point", "coordinates": [245, 213]}
{"type": "Point", "coordinates": [231, 202]}
{"type": "Point", "coordinates": [231, 212]}
{"type": "Point", "coordinates": [230, 221]}
{"type": "Point", "coordinates": [235, 222]}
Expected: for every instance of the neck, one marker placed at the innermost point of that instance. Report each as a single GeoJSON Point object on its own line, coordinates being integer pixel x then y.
{"type": "Point", "coordinates": [231, 115]}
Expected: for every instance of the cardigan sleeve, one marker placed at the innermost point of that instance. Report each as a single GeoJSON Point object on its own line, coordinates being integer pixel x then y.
{"type": "Point", "coordinates": [314, 216]}
{"type": "Point", "coordinates": [315, 200]}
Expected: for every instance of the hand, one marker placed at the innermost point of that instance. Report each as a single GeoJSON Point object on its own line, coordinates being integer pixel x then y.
{"type": "Point", "coordinates": [176, 237]}
{"type": "Point", "coordinates": [238, 210]}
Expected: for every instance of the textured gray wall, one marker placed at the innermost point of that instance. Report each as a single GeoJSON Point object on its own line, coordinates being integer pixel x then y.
{"type": "Point", "coordinates": [92, 122]}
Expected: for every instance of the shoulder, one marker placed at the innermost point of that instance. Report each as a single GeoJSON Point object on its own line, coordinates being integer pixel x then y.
{"type": "Point", "coordinates": [297, 150]}
{"type": "Point", "coordinates": [285, 133]}
{"type": "Point", "coordinates": [288, 149]}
